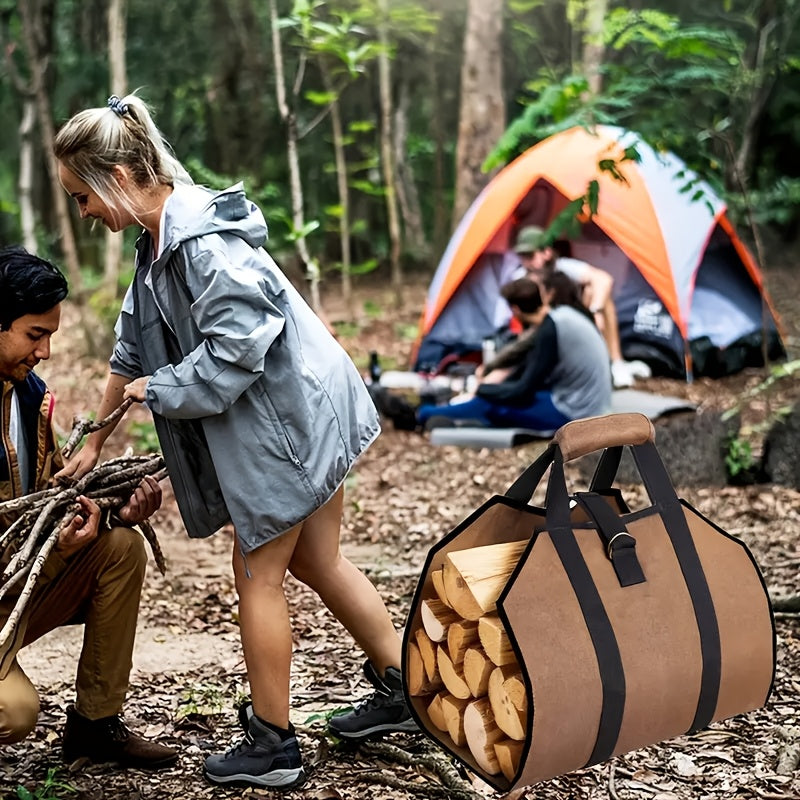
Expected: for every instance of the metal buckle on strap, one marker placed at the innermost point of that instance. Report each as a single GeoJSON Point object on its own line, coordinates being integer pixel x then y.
{"type": "Point", "coordinates": [616, 536]}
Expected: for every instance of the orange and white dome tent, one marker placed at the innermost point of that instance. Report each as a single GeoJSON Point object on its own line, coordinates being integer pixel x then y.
{"type": "Point", "coordinates": [687, 290]}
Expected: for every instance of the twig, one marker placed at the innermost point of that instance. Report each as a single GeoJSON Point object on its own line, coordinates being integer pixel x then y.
{"type": "Point", "coordinates": [438, 765]}
{"type": "Point", "coordinates": [11, 623]}
{"type": "Point", "coordinates": [81, 426]}
{"type": "Point", "coordinates": [147, 531]}
{"type": "Point", "coordinates": [32, 536]}
{"type": "Point", "coordinates": [612, 789]}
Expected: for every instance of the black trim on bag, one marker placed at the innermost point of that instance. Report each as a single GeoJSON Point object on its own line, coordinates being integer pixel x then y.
{"type": "Point", "coordinates": [652, 468]}
{"type": "Point", "coordinates": [609, 660]}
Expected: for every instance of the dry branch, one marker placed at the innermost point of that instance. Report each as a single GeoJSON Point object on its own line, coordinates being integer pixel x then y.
{"type": "Point", "coordinates": [81, 426]}
{"type": "Point", "coordinates": [42, 515]}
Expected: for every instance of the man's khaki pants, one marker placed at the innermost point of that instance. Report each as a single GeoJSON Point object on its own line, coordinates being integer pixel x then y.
{"type": "Point", "coordinates": [100, 587]}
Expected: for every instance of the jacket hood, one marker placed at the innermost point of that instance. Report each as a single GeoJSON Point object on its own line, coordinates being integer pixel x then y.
{"type": "Point", "coordinates": [193, 211]}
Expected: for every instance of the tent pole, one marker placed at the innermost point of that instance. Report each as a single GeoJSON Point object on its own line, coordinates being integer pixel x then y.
{"type": "Point", "coordinates": [687, 361]}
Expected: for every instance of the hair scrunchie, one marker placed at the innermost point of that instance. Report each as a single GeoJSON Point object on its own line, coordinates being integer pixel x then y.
{"type": "Point", "coordinates": [117, 106]}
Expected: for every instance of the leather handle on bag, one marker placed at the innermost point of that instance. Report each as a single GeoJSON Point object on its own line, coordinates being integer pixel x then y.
{"type": "Point", "coordinates": [583, 436]}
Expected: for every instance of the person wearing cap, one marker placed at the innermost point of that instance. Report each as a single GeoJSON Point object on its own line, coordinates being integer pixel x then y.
{"type": "Point", "coordinates": [539, 257]}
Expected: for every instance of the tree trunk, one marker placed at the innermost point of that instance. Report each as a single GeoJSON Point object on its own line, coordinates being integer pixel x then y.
{"type": "Point", "coordinates": [589, 16]}
{"type": "Point", "coordinates": [32, 27]}
{"type": "Point", "coordinates": [119, 86]}
{"type": "Point", "coordinates": [26, 150]}
{"type": "Point", "coordinates": [310, 266]}
{"type": "Point", "coordinates": [406, 188]}
{"type": "Point", "coordinates": [387, 155]}
{"type": "Point", "coordinates": [482, 110]}
{"type": "Point", "coordinates": [343, 191]}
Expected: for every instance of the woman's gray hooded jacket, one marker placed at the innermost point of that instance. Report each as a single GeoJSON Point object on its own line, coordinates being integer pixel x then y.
{"type": "Point", "coordinates": [259, 411]}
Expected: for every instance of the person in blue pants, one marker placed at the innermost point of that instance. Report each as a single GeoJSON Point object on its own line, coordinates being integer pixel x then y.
{"type": "Point", "coordinates": [564, 374]}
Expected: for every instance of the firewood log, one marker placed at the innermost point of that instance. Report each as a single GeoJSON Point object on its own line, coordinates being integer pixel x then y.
{"type": "Point", "coordinates": [474, 578]}
{"type": "Point", "coordinates": [452, 675]}
{"type": "Point", "coordinates": [436, 711]}
{"type": "Point", "coordinates": [495, 641]}
{"type": "Point", "coordinates": [510, 719]}
{"type": "Point", "coordinates": [453, 711]}
{"type": "Point", "coordinates": [460, 636]}
{"type": "Point", "coordinates": [508, 754]}
{"type": "Point", "coordinates": [482, 733]}
{"type": "Point", "coordinates": [437, 618]}
{"type": "Point", "coordinates": [437, 578]}
{"type": "Point", "coordinates": [477, 669]}
{"type": "Point", "coordinates": [418, 683]}
{"type": "Point", "coordinates": [427, 650]}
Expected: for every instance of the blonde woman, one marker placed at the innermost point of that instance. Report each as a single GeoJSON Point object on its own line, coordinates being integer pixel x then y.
{"type": "Point", "coordinates": [259, 412]}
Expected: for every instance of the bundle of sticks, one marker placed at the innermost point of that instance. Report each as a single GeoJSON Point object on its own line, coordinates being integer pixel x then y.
{"type": "Point", "coordinates": [40, 517]}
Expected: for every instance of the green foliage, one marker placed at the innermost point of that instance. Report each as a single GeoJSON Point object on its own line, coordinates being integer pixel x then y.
{"type": "Point", "coordinates": [202, 700]}
{"type": "Point", "coordinates": [372, 309]}
{"type": "Point", "coordinates": [346, 329]}
{"type": "Point", "coordinates": [145, 438]}
{"type": "Point", "coordinates": [777, 374]}
{"type": "Point", "coordinates": [106, 305]}
{"type": "Point", "coordinates": [406, 332]}
{"type": "Point", "coordinates": [738, 456]}
{"type": "Point", "coordinates": [53, 788]}
{"type": "Point", "coordinates": [775, 204]}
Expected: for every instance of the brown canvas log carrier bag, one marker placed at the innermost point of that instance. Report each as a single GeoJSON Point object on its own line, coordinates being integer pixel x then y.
{"type": "Point", "coordinates": [544, 640]}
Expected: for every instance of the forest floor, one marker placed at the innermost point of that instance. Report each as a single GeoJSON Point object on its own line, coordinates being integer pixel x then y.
{"type": "Point", "coordinates": [402, 497]}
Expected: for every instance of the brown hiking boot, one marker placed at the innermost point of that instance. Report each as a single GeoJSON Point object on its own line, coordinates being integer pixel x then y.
{"type": "Point", "coordinates": [108, 739]}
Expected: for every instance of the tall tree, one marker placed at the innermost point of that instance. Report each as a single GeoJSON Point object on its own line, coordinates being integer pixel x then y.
{"type": "Point", "coordinates": [37, 38]}
{"type": "Point", "coordinates": [482, 115]}
{"type": "Point", "coordinates": [587, 17]}
{"type": "Point", "coordinates": [289, 119]}
{"type": "Point", "coordinates": [387, 153]}
{"type": "Point", "coordinates": [119, 86]}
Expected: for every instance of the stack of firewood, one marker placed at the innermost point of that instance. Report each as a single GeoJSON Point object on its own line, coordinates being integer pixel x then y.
{"type": "Point", "coordinates": [460, 662]}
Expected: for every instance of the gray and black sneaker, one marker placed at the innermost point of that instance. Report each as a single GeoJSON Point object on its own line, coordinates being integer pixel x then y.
{"type": "Point", "coordinates": [384, 711]}
{"type": "Point", "coordinates": [261, 759]}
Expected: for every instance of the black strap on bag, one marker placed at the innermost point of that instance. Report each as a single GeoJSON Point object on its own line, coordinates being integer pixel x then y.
{"type": "Point", "coordinates": [659, 486]}
{"type": "Point", "coordinates": [601, 631]}
{"type": "Point", "coordinates": [664, 499]}
{"type": "Point", "coordinates": [649, 463]}
{"type": "Point", "coordinates": [620, 545]}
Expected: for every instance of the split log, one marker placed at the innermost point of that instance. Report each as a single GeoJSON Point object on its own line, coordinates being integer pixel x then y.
{"type": "Point", "coordinates": [477, 669]}
{"type": "Point", "coordinates": [460, 636]}
{"type": "Point", "coordinates": [453, 709]}
{"type": "Point", "coordinates": [495, 641]}
{"type": "Point", "coordinates": [508, 754]}
{"type": "Point", "coordinates": [436, 711]}
{"type": "Point", "coordinates": [452, 675]}
{"type": "Point", "coordinates": [415, 671]}
{"type": "Point", "coordinates": [437, 578]}
{"type": "Point", "coordinates": [437, 618]}
{"type": "Point", "coordinates": [504, 684]}
{"type": "Point", "coordinates": [482, 734]}
{"type": "Point", "coordinates": [427, 649]}
{"type": "Point", "coordinates": [474, 578]}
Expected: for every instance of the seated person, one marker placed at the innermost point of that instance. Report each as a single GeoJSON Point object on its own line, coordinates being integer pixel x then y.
{"type": "Point", "coordinates": [557, 289]}
{"type": "Point", "coordinates": [563, 376]}
{"type": "Point", "coordinates": [539, 258]}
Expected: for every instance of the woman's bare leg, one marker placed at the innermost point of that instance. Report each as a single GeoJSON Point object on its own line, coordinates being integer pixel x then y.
{"type": "Point", "coordinates": [264, 624]}
{"type": "Point", "coordinates": [318, 562]}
